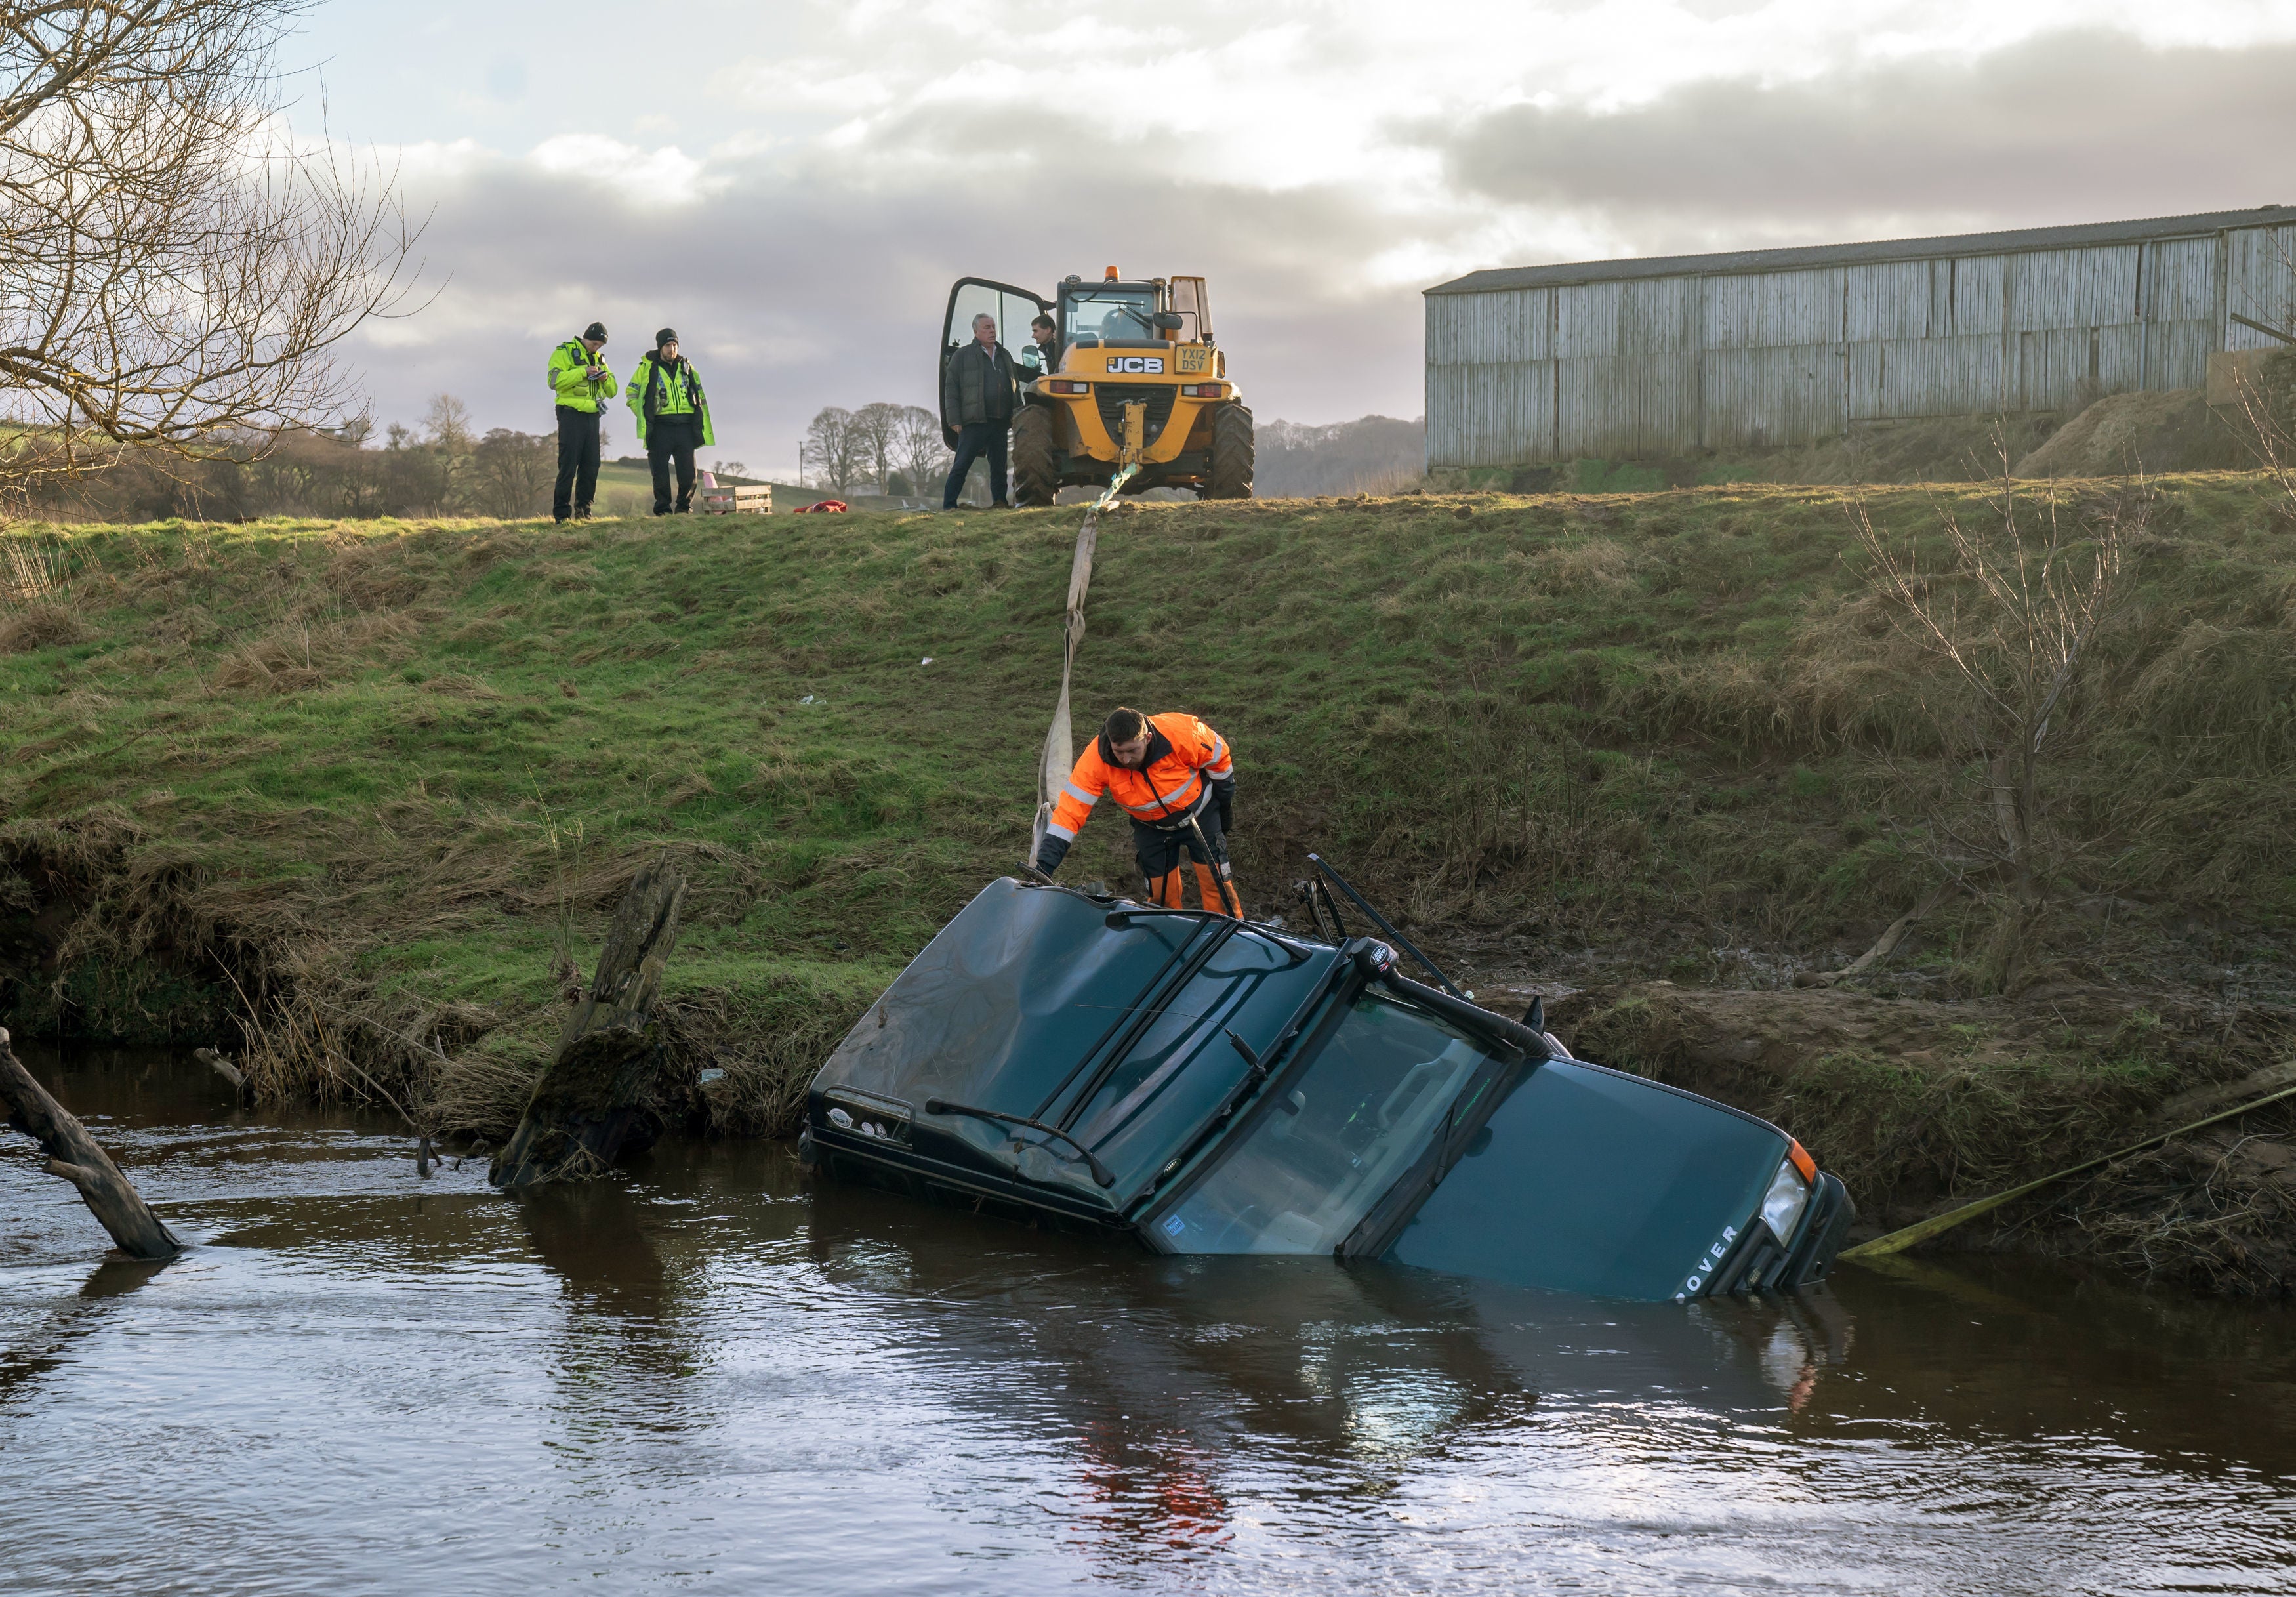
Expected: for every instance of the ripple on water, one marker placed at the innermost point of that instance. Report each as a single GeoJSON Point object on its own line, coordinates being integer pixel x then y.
{"type": "Point", "coordinates": [706, 1377]}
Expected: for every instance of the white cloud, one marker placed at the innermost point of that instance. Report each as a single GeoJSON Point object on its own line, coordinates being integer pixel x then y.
{"type": "Point", "coordinates": [650, 179]}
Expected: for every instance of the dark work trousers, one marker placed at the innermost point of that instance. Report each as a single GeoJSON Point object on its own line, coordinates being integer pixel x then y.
{"type": "Point", "coordinates": [974, 440]}
{"type": "Point", "coordinates": [672, 437]}
{"type": "Point", "coordinates": [1162, 851]}
{"type": "Point", "coordinates": [577, 463]}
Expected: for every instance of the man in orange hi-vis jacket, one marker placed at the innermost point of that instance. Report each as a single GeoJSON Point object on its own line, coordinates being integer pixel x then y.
{"type": "Point", "coordinates": [1175, 778]}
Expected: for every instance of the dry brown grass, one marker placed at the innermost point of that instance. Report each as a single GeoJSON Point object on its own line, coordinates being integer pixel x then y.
{"type": "Point", "coordinates": [298, 655]}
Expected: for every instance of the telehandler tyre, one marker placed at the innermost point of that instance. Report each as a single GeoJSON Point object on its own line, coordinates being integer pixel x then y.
{"type": "Point", "coordinates": [1033, 483]}
{"type": "Point", "coordinates": [1230, 477]}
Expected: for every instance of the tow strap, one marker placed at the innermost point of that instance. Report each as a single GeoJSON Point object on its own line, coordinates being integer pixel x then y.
{"type": "Point", "coordinates": [1058, 758]}
{"type": "Point", "coordinates": [1921, 1230]}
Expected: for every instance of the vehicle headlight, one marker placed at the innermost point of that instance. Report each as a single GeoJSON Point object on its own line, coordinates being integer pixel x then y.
{"type": "Point", "coordinates": [1788, 1197]}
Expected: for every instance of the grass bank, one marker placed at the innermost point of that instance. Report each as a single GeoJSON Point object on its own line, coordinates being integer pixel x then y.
{"type": "Point", "coordinates": [371, 788]}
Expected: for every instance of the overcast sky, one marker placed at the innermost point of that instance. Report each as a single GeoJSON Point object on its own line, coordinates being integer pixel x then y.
{"type": "Point", "coordinates": [794, 187]}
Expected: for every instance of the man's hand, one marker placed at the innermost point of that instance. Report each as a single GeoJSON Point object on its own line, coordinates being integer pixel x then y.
{"type": "Point", "coordinates": [948, 436]}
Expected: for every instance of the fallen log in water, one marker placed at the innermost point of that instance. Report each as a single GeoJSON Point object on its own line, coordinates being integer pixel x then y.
{"type": "Point", "coordinates": [591, 1098]}
{"type": "Point", "coordinates": [73, 1154]}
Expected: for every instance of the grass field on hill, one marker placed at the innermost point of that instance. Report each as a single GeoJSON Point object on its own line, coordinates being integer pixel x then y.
{"type": "Point", "coordinates": [375, 785]}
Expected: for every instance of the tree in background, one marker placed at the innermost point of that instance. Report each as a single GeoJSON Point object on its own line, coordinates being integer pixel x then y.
{"type": "Point", "coordinates": [918, 450]}
{"type": "Point", "coordinates": [834, 454]}
{"type": "Point", "coordinates": [512, 474]}
{"type": "Point", "coordinates": [177, 276]}
{"type": "Point", "coordinates": [877, 426]}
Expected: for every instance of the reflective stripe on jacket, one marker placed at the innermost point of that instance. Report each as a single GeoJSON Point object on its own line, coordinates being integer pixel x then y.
{"type": "Point", "coordinates": [568, 363]}
{"type": "Point", "coordinates": [1185, 760]}
{"type": "Point", "coordinates": [656, 390]}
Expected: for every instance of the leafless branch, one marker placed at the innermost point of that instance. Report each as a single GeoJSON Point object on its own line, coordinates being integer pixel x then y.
{"type": "Point", "coordinates": [173, 271]}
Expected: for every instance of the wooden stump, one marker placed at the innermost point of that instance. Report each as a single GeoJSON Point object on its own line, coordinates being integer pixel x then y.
{"type": "Point", "coordinates": [592, 1096]}
{"type": "Point", "coordinates": [73, 1154]}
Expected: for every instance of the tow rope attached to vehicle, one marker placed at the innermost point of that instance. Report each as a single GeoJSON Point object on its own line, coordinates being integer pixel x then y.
{"type": "Point", "coordinates": [1921, 1230]}
{"type": "Point", "coordinates": [1058, 754]}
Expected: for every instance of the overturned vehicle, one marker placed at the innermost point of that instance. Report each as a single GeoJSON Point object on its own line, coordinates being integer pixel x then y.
{"type": "Point", "coordinates": [1207, 1085]}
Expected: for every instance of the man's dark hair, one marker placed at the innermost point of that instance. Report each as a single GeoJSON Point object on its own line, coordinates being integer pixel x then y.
{"type": "Point", "coordinates": [1041, 320]}
{"type": "Point", "coordinates": [1122, 726]}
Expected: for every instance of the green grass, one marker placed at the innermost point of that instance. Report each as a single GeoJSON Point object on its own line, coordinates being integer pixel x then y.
{"type": "Point", "coordinates": [384, 776]}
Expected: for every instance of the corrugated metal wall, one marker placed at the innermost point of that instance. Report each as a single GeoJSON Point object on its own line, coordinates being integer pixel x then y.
{"type": "Point", "coordinates": [1647, 367]}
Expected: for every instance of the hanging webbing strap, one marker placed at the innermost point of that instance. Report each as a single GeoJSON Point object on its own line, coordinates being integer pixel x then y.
{"type": "Point", "coordinates": [1059, 756]}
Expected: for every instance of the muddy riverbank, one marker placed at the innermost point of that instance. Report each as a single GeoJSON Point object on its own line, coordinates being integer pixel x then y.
{"type": "Point", "coordinates": [706, 1375]}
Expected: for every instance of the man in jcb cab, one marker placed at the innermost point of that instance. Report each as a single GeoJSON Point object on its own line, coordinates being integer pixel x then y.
{"type": "Point", "coordinates": [1175, 778]}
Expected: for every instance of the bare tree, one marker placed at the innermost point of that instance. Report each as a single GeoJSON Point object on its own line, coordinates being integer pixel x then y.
{"type": "Point", "coordinates": [2012, 613]}
{"type": "Point", "coordinates": [918, 448]}
{"type": "Point", "coordinates": [833, 451]}
{"type": "Point", "coordinates": [176, 274]}
{"type": "Point", "coordinates": [512, 472]}
{"type": "Point", "coordinates": [876, 427]}
{"type": "Point", "coordinates": [447, 424]}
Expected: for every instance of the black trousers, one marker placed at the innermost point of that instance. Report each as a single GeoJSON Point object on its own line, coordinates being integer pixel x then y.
{"type": "Point", "coordinates": [577, 463]}
{"type": "Point", "coordinates": [974, 440]}
{"type": "Point", "coordinates": [672, 437]}
{"type": "Point", "coordinates": [1160, 851]}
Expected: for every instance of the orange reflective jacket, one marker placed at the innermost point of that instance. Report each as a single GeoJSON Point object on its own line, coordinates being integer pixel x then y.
{"type": "Point", "coordinates": [1184, 758]}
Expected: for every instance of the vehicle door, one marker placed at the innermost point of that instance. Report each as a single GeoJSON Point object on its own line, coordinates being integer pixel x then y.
{"type": "Point", "coordinates": [1013, 308]}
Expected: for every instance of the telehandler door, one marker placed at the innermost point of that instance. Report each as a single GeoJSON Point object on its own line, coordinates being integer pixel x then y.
{"type": "Point", "coordinates": [1013, 308]}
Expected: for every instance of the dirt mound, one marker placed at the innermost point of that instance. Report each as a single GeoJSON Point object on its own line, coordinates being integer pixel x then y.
{"type": "Point", "coordinates": [1948, 448]}
{"type": "Point", "coordinates": [2123, 434]}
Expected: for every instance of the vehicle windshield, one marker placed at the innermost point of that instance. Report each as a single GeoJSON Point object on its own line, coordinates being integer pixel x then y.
{"type": "Point", "coordinates": [1110, 313]}
{"type": "Point", "coordinates": [1337, 1141]}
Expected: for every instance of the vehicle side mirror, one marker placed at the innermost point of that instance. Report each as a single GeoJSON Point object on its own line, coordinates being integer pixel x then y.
{"type": "Point", "coordinates": [1167, 321]}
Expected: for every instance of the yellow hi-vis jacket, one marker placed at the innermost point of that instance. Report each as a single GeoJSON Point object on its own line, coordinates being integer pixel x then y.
{"type": "Point", "coordinates": [1187, 760]}
{"type": "Point", "coordinates": [654, 390]}
{"type": "Point", "coordinates": [569, 363]}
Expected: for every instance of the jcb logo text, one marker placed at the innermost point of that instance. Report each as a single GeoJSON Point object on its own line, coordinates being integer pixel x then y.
{"type": "Point", "coordinates": [1136, 363]}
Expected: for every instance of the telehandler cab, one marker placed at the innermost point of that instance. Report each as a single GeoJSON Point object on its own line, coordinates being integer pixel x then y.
{"type": "Point", "coordinates": [1137, 381]}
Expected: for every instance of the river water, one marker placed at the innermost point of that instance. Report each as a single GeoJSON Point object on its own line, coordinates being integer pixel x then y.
{"type": "Point", "coordinates": [712, 1374]}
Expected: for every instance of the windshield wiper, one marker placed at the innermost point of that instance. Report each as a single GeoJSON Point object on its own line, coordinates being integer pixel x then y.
{"type": "Point", "coordinates": [1100, 1172]}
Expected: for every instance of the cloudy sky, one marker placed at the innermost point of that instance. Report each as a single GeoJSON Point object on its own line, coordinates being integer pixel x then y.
{"type": "Point", "coordinates": [794, 186]}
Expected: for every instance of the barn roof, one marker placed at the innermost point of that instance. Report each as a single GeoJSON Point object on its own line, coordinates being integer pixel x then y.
{"type": "Point", "coordinates": [1879, 250]}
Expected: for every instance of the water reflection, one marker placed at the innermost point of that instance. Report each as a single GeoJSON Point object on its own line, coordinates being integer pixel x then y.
{"type": "Point", "coordinates": [708, 1375]}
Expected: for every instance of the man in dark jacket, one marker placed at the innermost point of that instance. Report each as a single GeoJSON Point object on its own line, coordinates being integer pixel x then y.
{"type": "Point", "coordinates": [977, 389]}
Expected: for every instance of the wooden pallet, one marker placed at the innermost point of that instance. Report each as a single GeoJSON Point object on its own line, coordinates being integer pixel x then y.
{"type": "Point", "coordinates": [728, 501]}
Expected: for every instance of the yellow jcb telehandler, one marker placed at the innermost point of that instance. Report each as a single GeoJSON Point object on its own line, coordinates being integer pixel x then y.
{"type": "Point", "coordinates": [1135, 381]}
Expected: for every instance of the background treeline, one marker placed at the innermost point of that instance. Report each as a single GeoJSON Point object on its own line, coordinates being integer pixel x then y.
{"type": "Point", "coordinates": [440, 466]}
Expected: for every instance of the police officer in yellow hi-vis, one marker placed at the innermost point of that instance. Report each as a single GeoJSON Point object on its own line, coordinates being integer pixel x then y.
{"type": "Point", "coordinates": [673, 415]}
{"type": "Point", "coordinates": [582, 385]}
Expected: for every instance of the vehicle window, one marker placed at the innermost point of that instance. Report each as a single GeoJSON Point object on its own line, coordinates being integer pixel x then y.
{"type": "Point", "coordinates": [1110, 313]}
{"type": "Point", "coordinates": [1012, 314]}
{"type": "Point", "coordinates": [1193, 1023]}
{"type": "Point", "coordinates": [1342, 1135]}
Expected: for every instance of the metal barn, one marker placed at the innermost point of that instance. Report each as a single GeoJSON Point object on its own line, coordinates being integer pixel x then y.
{"type": "Point", "coordinates": [1646, 359]}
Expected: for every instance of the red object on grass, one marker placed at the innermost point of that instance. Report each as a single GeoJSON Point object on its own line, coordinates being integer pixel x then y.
{"type": "Point", "coordinates": [823, 505]}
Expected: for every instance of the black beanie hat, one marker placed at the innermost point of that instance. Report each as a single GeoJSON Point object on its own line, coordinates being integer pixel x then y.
{"type": "Point", "coordinates": [597, 329]}
{"type": "Point", "coordinates": [668, 335]}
